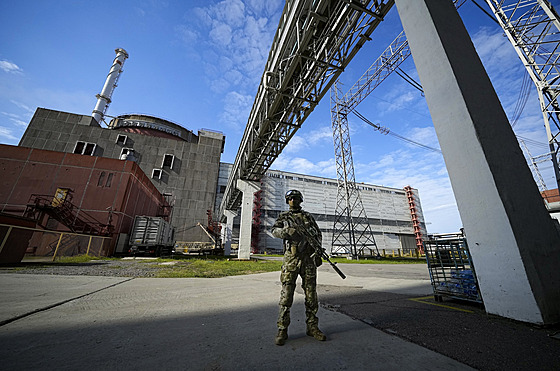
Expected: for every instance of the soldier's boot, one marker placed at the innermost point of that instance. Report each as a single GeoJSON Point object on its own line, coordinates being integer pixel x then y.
{"type": "Point", "coordinates": [313, 330]}
{"type": "Point", "coordinates": [281, 337]}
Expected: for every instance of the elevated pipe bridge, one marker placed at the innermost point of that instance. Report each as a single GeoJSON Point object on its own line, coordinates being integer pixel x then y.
{"type": "Point", "coordinates": [315, 41]}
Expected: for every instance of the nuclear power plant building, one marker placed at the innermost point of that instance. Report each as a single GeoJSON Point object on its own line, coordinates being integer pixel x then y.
{"type": "Point", "coordinates": [388, 210]}
{"type": "Point", "coordinates": [182, 165]}
{"type": "Point", "coordinates": [185, 168]}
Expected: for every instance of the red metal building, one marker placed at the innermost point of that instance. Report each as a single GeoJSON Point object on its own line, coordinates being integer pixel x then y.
{"type": "Point", "coordinates": [110, 191]}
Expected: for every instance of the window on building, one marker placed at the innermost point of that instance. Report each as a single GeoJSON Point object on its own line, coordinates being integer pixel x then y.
{"type": "Point", "coordinates": [90, 149]}
{"type": "Point", "coordinates": [121, 139]}
{"type": "Point", "coordinates": [101, 179]}
{"type": "Point", "coordinates": [125, 152]}
{"type": "Point", "coordinates": [168, 161]}
{"type": "Point", "coordinates": [84, 148]}
{"type": "Point", "coordinates": [223, 189]}
{"type": "Point", "coordinates": [79, 148]}
{"type": "Point", "coordinates": [109, 180]}
{"type": "Point", "coordinates": [156, 174]}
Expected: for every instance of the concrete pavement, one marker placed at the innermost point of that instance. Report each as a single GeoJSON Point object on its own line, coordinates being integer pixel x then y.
{"type": "Point", "coordinates": [94, 323]}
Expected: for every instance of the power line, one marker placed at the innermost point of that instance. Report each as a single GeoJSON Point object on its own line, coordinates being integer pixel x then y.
{"type": "Point", "coordinates": [485, 12]}
{"type": "Point", "coordinates": [386, 131]}
{"type": "Point", "coordinates": [522, 99]}
{"type": "Point", "coordinates": [532, 141]}
{"type": "Point", "coordinates": [409, 79]}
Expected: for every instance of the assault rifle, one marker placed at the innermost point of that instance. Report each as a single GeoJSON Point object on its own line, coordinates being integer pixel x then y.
{"type": "Point", "coordinates": [318, 249]}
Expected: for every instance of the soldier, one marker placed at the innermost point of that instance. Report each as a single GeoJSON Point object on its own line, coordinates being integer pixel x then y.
{"type": "Point", "coordinates": [299, 259]}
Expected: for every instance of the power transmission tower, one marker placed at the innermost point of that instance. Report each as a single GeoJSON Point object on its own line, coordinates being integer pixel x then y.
{"type": "Point", "coordinates": [533, 28]}
{"type": "Point", "coordinates": [533, 165]}
{"type": "Point", "coordinates": [352, 233]}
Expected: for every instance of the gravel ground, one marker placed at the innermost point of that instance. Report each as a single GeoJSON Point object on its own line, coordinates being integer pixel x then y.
{"type": "Point", "coordinates": [113, 268]}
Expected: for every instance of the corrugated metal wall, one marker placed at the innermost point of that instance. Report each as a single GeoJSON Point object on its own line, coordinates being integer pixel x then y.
{"type": "Point", "coordinates": [387, 208]}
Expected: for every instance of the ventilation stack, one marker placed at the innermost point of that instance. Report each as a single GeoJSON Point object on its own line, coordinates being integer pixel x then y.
{"type": "Point", "coordinates": [104, 98]}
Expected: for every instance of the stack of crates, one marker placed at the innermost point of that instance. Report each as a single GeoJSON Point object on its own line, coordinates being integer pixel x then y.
{"type": "Point", "coordinates": [451, 269]}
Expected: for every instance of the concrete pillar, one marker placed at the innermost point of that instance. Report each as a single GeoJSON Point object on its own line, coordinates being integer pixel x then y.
{"type": "Point", "coordinates": [515, 245]}
{"type": "Point", "coordinates": [227, 231]}
{"type": "Point", "coordinates": [248, 189]}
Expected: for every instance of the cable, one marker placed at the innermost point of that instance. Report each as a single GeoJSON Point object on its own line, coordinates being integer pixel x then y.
{"type": "Point", "coordinates": [386, 131]}
{"type": "Point", "coordinates": [532, 141]}
{"type": "Point", "coordinates": [409, 79]}
{"type": "Point", "coordinates": [485, 12]}
{"type": "Point", "coordinates": [522, 99]}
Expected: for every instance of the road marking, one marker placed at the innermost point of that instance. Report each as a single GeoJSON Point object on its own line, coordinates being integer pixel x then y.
{"type": "Point", "coordinates": [421, 300]}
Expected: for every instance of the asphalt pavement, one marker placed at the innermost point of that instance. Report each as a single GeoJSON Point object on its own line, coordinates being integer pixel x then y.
{"type": "Point", "coordinates": [382, 317]}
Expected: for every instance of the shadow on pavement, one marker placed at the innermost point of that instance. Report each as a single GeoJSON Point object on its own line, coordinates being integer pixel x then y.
{"type": "Point", "coordinates": [458, 329]}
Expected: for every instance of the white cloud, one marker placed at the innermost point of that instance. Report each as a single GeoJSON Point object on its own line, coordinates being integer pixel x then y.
{"type": "Point", "coordinates": [494, 48]}
{"type": "Point", "coordinates": [221, 34]}
{"type": "Point", "coordinates": [7, 134]}
{"type": "Point", "coordinates": [10, 67]}
{"type": "Point", "coordinates": [187, 35]}
{"type": "Point", "coordinates": [240, 33]}
{"type": "Point", "coordinates": [23, 106]}
{"type": "Point", "coordinates": [236, 109]}
{"type": "Point", "coordinates": [139, 11]}
{"type": "Point", "coordinates": [300, 165]}
{"type": "Point", "coordinates": [321, 135]}
{"type": "Point", "coordinates": [296, 144]}
{"type": "Point", "coordinates": [16, 119]}
{"type": "Point", "coordinates": [305, 141]}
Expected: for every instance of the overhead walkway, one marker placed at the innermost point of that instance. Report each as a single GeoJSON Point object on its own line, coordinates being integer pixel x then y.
{"type": "Point", "coordinates": [315, 41]}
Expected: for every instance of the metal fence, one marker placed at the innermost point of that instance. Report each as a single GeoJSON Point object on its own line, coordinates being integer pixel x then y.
{"type": "Point", "coordinates": [44, 243]}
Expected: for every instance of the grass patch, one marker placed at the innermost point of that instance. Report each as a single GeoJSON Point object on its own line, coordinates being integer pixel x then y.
{"type": "Point", "coordinates": [382, 260]}
{"type": "Point", "coordinates": [79, 259]}
{"type": "Point", "coordinates": [215, 267]}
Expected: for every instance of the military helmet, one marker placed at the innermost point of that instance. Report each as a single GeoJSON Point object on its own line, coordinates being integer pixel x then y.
{"type": "Point", "coordinates": [293, 194]}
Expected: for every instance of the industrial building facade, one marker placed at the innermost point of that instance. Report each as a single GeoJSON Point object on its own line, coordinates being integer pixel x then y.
{"type": "Point", "coordinates": [388, 209]}
{"type": "Point", "coordinates": [74, 194]}
{"type": "Point", "coordinates": [183, 166]}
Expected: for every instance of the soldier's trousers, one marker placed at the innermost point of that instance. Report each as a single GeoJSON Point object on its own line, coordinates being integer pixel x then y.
{"type": "Point", "coordinates": [292, 267]}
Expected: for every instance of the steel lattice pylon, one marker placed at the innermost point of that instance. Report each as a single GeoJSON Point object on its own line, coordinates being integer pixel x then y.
{"type": "Point", "coordinates": [533, 28]}
{"type": "Point", "coordinates": [533, 166]}
{"type": "Point", "coordinates": [352, 233]}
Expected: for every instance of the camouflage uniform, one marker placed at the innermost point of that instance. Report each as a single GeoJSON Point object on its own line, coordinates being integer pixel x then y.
{"type": "Point", "coordinates": [298, 260]}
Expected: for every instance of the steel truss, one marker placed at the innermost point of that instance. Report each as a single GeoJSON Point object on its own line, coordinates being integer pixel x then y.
{"type": "Point", "coordinates": [533, 28]}
{"type": "Point", "coordinates": [352, 232]}
{"type": "Point", "coordinates": [532, 161]}
{"type": "Point", "coordinates": [315, 41]}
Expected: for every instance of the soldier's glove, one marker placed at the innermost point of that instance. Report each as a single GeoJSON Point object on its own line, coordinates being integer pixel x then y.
{"type": "Point", "coordinates": [317, 259]}
{"type": "Point", "coordinates": [293, 235]}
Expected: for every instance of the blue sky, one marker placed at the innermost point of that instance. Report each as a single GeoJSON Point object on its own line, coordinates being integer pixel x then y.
{"type": "Point", "coordinates": [199, 63]}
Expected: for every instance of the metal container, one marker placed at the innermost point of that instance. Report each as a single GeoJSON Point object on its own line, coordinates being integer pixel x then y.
{"type": "Point", "coordinates": [151, 235]}
{"type": "Point", "coordinates": [451, 269]}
